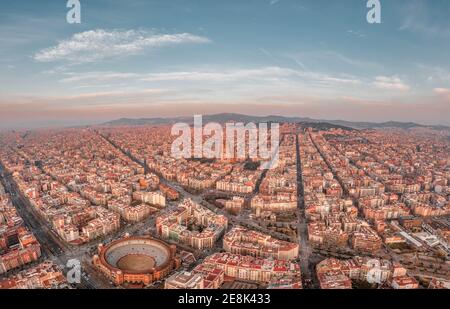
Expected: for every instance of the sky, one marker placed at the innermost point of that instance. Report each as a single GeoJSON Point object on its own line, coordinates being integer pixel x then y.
{"type": "Point", "coordinates": [137, 58]}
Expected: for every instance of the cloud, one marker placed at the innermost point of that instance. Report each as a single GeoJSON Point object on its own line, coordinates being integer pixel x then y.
{"type": "Point", "coordinates": [265, 73]}
{"type": "Point", "coordinates": [358, 34]}
{"type": "Point", "coordinates": [99, 44]}
{"type": "Point", "coordinates": [235, 84]}
{"type": "Point", "coordinates": [271, 75]}
{"type": "Point", "coordinates": [332, 58]}
{"type": "Point", "coordinates": [97, 76]}
{"type": "Point", "coordinates": [228, 83]}
{"type": "Point", "coordinates": [391, 83]}
{"type": "Point", "coordinates": [352, 61]}
{"type": "Point", "coordinates": [273, 2]}
{"type": "Point", "coordinates": [425, 28]}
{"type": "Point", "coordinates": [419, 18]}
{"type": "Point", "coordinates": [443, 92]}
{"type": "Point", "coordinates": [109, 94]}
{"type": "Point", "coordinates": [433, 73]}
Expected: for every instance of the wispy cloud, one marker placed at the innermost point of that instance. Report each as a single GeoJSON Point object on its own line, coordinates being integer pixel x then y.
{"type": "Point", "coordinates": [98, 44]}
{"type": "Point", "coordinates": [320, 57]}
{"type": "Point", "coordinates": [238, 75]}
{"type": "Point", "coordinates": [352, 61]}
{"type": "Point", "coordinates": [358, 34]}
{"type": "Point", "coordinates": [297, 61]}
{"type": "Point", "coordinates": [419, 19]}
{"type": "Point", "coordinates": [266, 73]}
{"type": "Point", "coordinates": [425, 28]}
{"type": "Point", "coordinates": [108, 94]}
{"type": "Point", "coordinates": [390, 83]}
{"type": "Point", "coordinates": [434, 74]}
{"type": "Point", "coordinates": [232, 84]}
{"type": "Point", "coordinates": [97, 76]}
{"type": "Point", "coordinates": [443, 92]}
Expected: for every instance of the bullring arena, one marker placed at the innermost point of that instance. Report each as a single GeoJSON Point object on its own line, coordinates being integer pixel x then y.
{"type": "Point", "coordinates": [136, 260]}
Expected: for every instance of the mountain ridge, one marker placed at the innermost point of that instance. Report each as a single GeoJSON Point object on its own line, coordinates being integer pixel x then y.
{"type": "Point", "coordinates": [226, 117]}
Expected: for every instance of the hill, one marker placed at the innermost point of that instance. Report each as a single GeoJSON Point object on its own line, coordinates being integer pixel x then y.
{"type": "Point", "coordinates": [232, 117]}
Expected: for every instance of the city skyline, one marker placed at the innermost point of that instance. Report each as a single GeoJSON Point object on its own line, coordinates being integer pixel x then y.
{"type": "Point", "coordinates": [291, 58]}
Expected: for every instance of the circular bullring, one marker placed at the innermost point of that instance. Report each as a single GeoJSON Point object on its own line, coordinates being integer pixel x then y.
{"type": "Point", "coordinates": [136, 263]}
{"type": "Point", "coordinates": [136, 255]}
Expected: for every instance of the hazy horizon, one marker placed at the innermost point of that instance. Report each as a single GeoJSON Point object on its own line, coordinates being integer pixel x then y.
{"type": "Point", "coordinates": [77, 123]}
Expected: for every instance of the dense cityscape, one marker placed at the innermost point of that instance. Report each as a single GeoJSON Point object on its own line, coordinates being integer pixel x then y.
{"type": "Point", "coordinates": [344, 208]}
